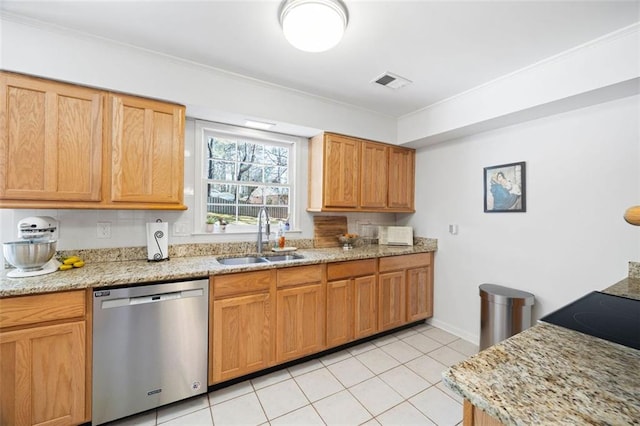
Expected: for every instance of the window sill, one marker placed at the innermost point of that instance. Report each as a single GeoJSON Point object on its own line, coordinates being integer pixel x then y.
{"type": "Point", "coordinates": [251, 235]}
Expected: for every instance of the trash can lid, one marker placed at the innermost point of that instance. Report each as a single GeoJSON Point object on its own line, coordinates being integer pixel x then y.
{"type": "Point", "coordinates": [505, 295]}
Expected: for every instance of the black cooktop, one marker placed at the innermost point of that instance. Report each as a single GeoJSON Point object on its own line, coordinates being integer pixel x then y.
{"type": "Point", "coordinates": [613, 318]}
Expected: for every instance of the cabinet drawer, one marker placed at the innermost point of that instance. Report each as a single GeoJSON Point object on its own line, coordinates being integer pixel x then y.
{"type": "Point", "coordinates": [299, 275]}
{"type": "Point", "coordinates": [25, 310]}
{"type": "Point", "coordinates": [353, 268]}
{"type": "Point", "coordinates": [393, 263]}
{"type": "Point", "coordinates": [241, 283]}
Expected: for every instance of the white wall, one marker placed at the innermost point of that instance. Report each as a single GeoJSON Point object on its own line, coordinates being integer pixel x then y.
{"type": "Point", "coordinates": [600, 70]}
{"type": "Point", "coordinates": [208, 93]}
{"type": "Point", "coordinates": [582, 174]}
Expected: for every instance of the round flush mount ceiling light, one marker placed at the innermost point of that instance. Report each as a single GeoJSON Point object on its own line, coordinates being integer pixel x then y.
{"type": "Point", "coordinates": [313, 25]}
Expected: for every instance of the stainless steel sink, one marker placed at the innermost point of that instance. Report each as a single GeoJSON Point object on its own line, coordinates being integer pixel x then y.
{"type": "Point", "coordinates": [283, 257]}
{"type": "Point", "coordinates": [246, 260]}
{"type": "Point", "coordinates": [249, 260]}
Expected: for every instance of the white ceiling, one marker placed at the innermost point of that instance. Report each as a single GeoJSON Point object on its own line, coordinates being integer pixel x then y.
{"type": "Point", "coordinates": [443, 47]}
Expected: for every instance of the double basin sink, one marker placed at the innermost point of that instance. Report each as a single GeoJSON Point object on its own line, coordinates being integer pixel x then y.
{"type": "Point", "coordinates": [249, 260]}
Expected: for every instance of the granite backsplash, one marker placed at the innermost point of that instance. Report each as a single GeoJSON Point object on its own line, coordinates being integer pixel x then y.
{"type": "Point", "coordinates": [189, 250]}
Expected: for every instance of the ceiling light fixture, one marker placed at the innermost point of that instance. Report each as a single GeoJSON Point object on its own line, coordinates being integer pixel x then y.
{"type": "Point", "coordinates": [313, 25]}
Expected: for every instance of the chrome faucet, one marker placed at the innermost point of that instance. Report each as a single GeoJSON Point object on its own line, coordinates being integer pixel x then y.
{"type": "Point", "coordinates": [267, 227]}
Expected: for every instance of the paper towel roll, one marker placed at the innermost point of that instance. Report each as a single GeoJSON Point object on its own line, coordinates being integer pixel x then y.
{"type": "Point", "coordinates": [157, 241]}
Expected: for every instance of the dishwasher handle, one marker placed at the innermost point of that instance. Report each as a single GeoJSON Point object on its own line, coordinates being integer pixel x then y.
{"type": "Point", "coordinates": [152, 298]}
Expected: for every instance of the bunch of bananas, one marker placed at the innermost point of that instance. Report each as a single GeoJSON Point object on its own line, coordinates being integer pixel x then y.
{"type": "Point", "coordinates": [71, 262]}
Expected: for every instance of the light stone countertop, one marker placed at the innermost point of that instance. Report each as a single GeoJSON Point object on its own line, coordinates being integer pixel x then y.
{"type": "Point", "coordinates": [549, 375]}
{"type": "Point", "coordinates": [110, 273]}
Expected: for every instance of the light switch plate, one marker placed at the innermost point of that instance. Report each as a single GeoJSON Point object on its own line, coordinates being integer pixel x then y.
{"type": "Point", "coordinates": [180, 229]}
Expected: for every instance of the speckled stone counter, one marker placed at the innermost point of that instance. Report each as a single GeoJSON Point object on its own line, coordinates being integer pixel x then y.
{"type": "Point", "coordinates": [108, 273]}
{"type": "Point", "coordinates": [549, 375]}
{"type": "Point", "coordinates": [629, 288]}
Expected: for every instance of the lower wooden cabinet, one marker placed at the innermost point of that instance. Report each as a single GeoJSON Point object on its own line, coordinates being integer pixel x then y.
{"type": "Point", "coordinates": [419, 293]}
{"type": "Point", "coordinates": [351, 301]}
{"type": "Point", "coordinates": [405, 286]}
{"type": "Point", "coordinates": [43, 360]}
{"type": "Point", "coordinates": [392, 300]}
{"type": "Point", "coordinates": [365, 315]}
{"type": "Point", "coordinates": [263, 318]}
{"type": "Point", "coordinates": [241, 324]}
{"type": "Point", "coordinates": [339, 312]}
{"type": "Point", "coordinates": [300, 307]}
{"type": "Point", "coordinates": [242, 335]}
{"type": "Point", "coordinates": [473, 416]}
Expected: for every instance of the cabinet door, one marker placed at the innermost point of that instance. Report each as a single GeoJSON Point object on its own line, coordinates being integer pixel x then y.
{"type": "Point", "coordinates": [42, 371]}
{"type": "Point", "coordinates": [401, 178]}
{"type": "Point", "coordinates": [365, 302]}
{"type": "Point", "coordinates": [474, 416]}
{"type": "Point", "coordinates": [241, 336]}
{"type": "Point", "coordinates": [419, 293]}
{"type": "Point", "coordinates": [341, 171]}
{"type": "Point", "coordinates": [373, 175]}
{"type": "Point", "coordinates": [300, 321]}
{"type": "Point", "coordinates": [147, 144]}
{"type": "Point", "coordinates": [391, 302]}
{"type": "Point", "coordinates": [50, 140]}
{"type": "Point", "coordinates": [339, 312]}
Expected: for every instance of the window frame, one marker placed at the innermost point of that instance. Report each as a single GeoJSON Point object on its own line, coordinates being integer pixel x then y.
{"type": "Point", "coordinates": [205, 129]}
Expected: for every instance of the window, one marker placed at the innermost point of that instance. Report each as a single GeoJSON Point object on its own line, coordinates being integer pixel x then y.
{"type": "Point", "coordinates": [242, 171]}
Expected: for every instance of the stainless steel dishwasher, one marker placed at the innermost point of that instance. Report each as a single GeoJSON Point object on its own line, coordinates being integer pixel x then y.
{"type": "Point", "coordinates": [149, 347]}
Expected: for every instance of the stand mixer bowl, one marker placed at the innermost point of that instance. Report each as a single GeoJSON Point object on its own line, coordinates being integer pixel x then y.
{"type": "Point", "coordinates": [29, 255]}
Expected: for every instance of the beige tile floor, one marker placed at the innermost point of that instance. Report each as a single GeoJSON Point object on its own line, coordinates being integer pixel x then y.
{"type": "Point", "coordinates": [393, 380]}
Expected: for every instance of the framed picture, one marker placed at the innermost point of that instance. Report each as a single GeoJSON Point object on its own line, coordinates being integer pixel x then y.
{"type": "Point", "coordinates": [504, 188]}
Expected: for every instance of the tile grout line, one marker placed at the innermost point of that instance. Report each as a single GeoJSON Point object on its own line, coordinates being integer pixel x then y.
{"type": "Point", "coordinates": [392, 338]}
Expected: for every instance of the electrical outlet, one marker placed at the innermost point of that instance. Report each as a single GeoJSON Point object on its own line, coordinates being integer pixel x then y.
{"type": "Point", "coordinates": [103, 230]}
{"type": "Point", "coordinates": [181, 229]}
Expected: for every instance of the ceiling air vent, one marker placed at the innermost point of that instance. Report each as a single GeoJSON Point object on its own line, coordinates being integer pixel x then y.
{"type": "Point", "coordinates": [392, 81]}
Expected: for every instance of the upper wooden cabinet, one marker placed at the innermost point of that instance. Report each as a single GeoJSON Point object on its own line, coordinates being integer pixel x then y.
{"type": "Point", "coordinates": [68, 146]}
{"type": "Point", "coordinates": [374, 175]}
{"type": "Point", "coordinates": [50, 139]}
{"type": "Point", "coordinates": [342, 168]}
{"type": "Point", "coordinates": [351, 174]}
{"type": "Point", "coordinates": [146, 152]}
{"type": "Point", "coordinates": [401, 178]}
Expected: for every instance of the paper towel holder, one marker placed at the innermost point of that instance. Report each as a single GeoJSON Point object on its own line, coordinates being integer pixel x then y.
{"type": "Point", "coordinates": [156, 242]}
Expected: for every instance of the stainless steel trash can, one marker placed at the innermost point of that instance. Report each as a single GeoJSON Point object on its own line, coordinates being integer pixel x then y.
{"type": "Point", "coordinates": [504, 312]}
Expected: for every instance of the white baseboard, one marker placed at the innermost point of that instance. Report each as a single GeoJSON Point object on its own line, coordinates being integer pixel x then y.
{"type": "Point", "coordinates": [473, 338]}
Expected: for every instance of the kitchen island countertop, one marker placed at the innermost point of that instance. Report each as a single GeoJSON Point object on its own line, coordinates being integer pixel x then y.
{"type": "Point", "coordinates": [113, 273]}
{"type": "Point", "coordinates": [551, 375]}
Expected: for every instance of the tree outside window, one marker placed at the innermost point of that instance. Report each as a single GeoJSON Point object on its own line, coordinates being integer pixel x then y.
{"type": "Point", "coordinates": [244, 175]}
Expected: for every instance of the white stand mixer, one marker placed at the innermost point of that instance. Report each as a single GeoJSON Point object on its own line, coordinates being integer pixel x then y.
{"type": "Point", "coordinates": [32, 229]}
